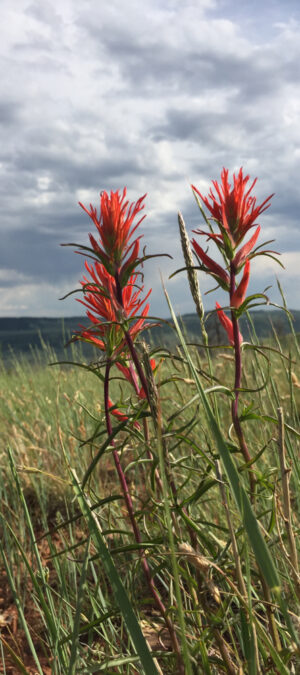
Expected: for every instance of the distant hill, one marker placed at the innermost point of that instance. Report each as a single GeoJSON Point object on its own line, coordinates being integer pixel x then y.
{"type": "Point", "coordinates": [24, 335]}
{"type": "Point", "coordinates": [265, 322]}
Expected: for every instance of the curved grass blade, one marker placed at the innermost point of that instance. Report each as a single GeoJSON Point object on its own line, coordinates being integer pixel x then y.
{"type": "Point", "coordinates": [81, 591]}
{"type": "Point", "coordinates": [89, 625]}
{"type": "Point", "coordinates": [64, 523]}
{"type": "Point", "coordinates": [261, 551]}
{"type": "Point", "coordinates": [251, 524]}
{"type": "Point", "coordinates": [20, 612]}
{"type": "Point", "coordinates": [48, 607]}
{"type": "Point", "coordinates": [18, 663]}
{"type": "Point", "coordinates": [118, 589]}
{"type": "Point", "coordinates": [100, 452]}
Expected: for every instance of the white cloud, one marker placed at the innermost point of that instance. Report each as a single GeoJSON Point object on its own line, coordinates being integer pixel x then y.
{"type": "Point", "coordinates": [37, 299]}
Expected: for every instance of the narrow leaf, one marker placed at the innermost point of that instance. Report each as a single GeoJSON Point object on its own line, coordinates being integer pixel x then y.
{"type": "Point", "coordinates": [118, 589]}
{"type": "Point", "coordinates": [261, 551]}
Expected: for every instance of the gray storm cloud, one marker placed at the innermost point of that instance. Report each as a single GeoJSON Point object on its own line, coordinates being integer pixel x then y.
{"type": "Point", "coordinates": [153, 96]}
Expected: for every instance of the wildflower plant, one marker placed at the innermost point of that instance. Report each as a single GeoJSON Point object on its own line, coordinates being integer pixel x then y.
{"type": "Point", "coordinates": [233, 212]}
{"type": "Point", "coordinates": [217, 611]}
{"type": "Point", "coordinates": [117, 311]}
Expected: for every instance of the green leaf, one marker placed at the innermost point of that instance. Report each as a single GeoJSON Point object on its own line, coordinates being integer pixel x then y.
{"type": "Point", "coordinates": [96, 256]}
{"type": "Point", "coordinates": [248, 642]}
{"type": "Point", "coordinates": [201, 489]}
{"type": "Point", "coordinates": [128, 269]}
{"type": "Point", "coordinates": [268, 255]}
{"type": "Point", "coordinates": [249, 299]}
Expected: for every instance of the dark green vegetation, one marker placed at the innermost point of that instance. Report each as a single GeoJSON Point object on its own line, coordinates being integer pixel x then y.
{"type": "Point", "coordinates": [26, 334]}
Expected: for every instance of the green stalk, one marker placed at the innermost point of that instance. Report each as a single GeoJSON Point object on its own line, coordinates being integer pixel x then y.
{"type": "Point", "coordinates": [168, 519]}
{"type": "Point", "coordinates": [20, 611]}
{"type": "Point", "coordinates": [76, 626]}
{"type": "Point", "coordinates": [53, 625]}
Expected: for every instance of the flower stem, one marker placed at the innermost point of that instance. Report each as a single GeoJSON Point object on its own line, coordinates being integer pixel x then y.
{"type": "Point", "coordinates": [237, 384]}
{"type": "Point", "coordinates": [129, 505]}
{"type": "Point", "coordinates": [120, 471]}
{"type": "Point", "coordinates": [129, 340]}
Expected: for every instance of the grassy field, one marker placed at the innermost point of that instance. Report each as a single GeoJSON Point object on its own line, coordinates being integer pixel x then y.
{"type": "Point", "coordinates": [61, 608]}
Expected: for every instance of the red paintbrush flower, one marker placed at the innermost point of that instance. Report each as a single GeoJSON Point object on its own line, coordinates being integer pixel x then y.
{"type": "Point", "coordinates": [106, 314]}
{"type": "Point", "coordinates": [232, 207]}
{"type": "Point", "coordinates": [239, 294]}
{"type": "Point", "coordinates": [227, 324]}
{"type": "Point", "coordinates": [242, 254]}
{"type": "Point", "coordinates": [115, 227]}
{"type": "Point", "coordinates": [211, 266]}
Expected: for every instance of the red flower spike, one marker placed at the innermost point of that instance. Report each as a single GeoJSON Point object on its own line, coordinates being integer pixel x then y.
{"type": "Point", "coordinates": [130, 262]}
{"type": "Point", "coordinates": [234, 209]}
{"type": "Point", "coordinates": [115, 227]}
{"type": "Point", "coordinates": [227, 324]}
{"type": "Point", "coordinates": [211, 265]}
{"type": "Point", "coordinates": [242, 254]}
{"type": "Point", "coordinates": [106, 314]}
{"type": "Point", "coordinates": [239, 294]}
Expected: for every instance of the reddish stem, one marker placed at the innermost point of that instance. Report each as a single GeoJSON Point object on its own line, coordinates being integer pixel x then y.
{"type": "Point", "coordinates": [129, 340]}
{"type": "Point", "coordinates": [237, 382]}
{"type": "Point", "coordinates": [120, 471]}
{"type": "Point", "coordinates": [137, 534]}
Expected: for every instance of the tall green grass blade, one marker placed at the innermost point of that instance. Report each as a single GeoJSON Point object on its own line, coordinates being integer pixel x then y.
{"type": "Point", "coordinates": [85, 628]}
{"type": "Point", "coordinates": [20, 611]}
{"type": "Point", "coordinates": [81, 591]}
{"type": "Point", "coordinates": [37, 585]}
{"type": "Point", "coordinates": [120, 594]}
{"type": "Point", "coordinates": [280, 665]}
{"type": "Point", "coordinates": [18, 663]}
{"type": "Point", "coordinates": [64, 523]}
{"type": "Point", "coordinates": [121, 661]}
{"type": "Point", "coordinates": [168, 519]}
{"type": "Point", "coordinates": [52, 624]}
{"type": "Point", "coordinates": [288, 314]}
{"type": "Point", "coordinates": [261, 551]}
{"type": "Point", "coordinates": [247, 642]}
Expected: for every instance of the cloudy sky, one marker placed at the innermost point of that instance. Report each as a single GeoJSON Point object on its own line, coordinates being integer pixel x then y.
{"type": "Point", "coordinates": [154, 95]}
